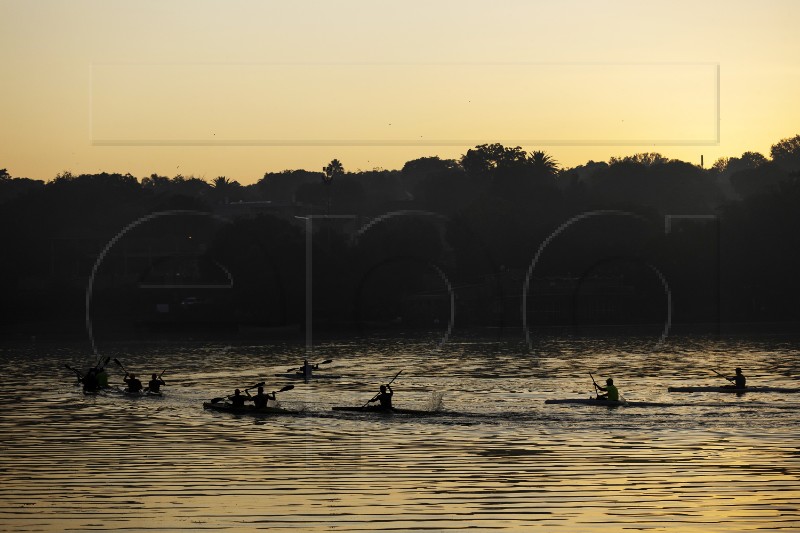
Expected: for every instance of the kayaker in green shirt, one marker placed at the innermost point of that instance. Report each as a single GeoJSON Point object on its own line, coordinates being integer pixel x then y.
{"type": "Point", "coordinates": [102, 378]}
{"type": "Point", "coordinates": [611, 392]}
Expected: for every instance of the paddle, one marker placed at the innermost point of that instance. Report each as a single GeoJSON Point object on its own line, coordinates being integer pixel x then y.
{"type": "Point", "coordinates": [379, 394]}
{"type": "Point", "coordinates": [77, 373]}
{"type": "Point", "coordinates": [723, 376]}
{"type": "Point", "coordinates": [120, 365]}
{"type": "Point", "coordinates": [325, 362]}
{"type": "Point", "coordinates": [220, 398]}
{"type": "Point", "coordinates": [257, 385]}
{"type": "Point", "coordinates": [594, 383]}
{"type": "Point", "coordinates": [284, 389]}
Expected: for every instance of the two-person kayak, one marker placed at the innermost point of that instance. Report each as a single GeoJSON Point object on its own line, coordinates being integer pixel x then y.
{"type": "Point", "coordinates": [143, 393]}
{"type": "Point", "coordinates": [252, 410]}
{"type": "Point", "coordinates": [237, 402]}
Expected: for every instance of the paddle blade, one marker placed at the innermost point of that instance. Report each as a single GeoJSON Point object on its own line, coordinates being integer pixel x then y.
{"type": "Point", "coordinates": [394, 378]}
{"type": "Point", "coordinates": [723, 376]}
{"type": "Point", "coordinates": [77, 373]}
{"type": "Point", "coordinates": [217, 400]}
{"type": "Point", "coordinates": [287, 387]}
{"type": "Point", "coordinates": [325, 362]}
{"type": "Point", "coordinates": [260, 384]}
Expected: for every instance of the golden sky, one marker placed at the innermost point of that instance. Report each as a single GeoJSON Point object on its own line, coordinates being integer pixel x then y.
{"type": "Point", "coordinates": [238, 88]}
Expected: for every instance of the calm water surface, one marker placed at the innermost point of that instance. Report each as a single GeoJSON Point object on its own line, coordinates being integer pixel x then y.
{"type": "Point", "coordinates": [496, 458]}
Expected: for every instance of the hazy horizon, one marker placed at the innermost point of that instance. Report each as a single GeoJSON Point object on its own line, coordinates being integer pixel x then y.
{"type": "Point", "coordinates": [242, 88]}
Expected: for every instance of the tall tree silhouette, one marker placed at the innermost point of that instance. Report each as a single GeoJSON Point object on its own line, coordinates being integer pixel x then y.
{"type": "Point", "coordinates": [482, 160]}
{"type": "Point", "coordinates": [730, 165]}
{"type": "Point", "coordinates": [333, 170]}
{"type": "Point", "coordinates": [786, 153]}
{"type": "Point", "coordinates": [417, 170]}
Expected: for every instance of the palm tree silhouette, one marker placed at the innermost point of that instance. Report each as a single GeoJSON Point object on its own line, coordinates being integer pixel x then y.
{"type": "Point", "coordinates": [333, 170]}
{"type": "Point", "coordinates": [543, 162]}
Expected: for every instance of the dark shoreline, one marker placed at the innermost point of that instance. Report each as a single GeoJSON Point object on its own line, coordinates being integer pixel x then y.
{"type": "Point", "coordinates": [76, 331]}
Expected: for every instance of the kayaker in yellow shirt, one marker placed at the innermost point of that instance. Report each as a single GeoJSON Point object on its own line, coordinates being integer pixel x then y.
{"type": "Point", "coordinates": [611, 392]}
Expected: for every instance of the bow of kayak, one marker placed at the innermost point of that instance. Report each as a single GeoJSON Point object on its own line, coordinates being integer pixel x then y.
{"type": "Point", "coordinates": [735, 390]}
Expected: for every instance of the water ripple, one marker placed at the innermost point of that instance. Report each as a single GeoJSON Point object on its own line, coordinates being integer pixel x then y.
{"type": "Point", "coordinates": [496, 458]}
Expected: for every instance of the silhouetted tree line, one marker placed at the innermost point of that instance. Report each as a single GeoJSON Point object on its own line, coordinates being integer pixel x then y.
{"type": "Point", "coordinates": [637, 239]}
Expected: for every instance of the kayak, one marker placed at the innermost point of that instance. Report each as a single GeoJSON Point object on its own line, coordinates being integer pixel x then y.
{"type": "Point", "coordinates": [380, 410]}
{"type": "Point", "coordinates": [608, 403]}
{"type": "Point", "coordinates": [300, 375]}
{"type": "Point", "coordinates": [144, 393]}
{"type": "Point", "coordinates": [99, 390]}
{"type": "Point", "coordinates": [252, 410]}
{"type": "Point", "coordinates": [734, 389]}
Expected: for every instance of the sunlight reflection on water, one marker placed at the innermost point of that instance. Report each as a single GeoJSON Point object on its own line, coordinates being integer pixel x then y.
{"type": "Point", "coordinates": [496, 458]}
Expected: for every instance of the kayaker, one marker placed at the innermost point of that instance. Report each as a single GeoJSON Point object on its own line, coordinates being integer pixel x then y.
{"type": "Point", "coordinates": [261, 398]}
{"type": "Point", "coordinates": [90, 381]}
{"type": "Point", "coordinates": [155, 383]}
{"type": "Point", "coordinates": [385, 397]}
{"type": "Point", "coordinates": [611, 392]}
{"type": "Point", "coordinates": [307, 368]}
{"type": "Point", "coordinates": [739, 381]}
{"type": "Point", "coordinates": [134, 385]}
{"type": "Point", "coordinates": [237, 399]}
{"type": "Point", "coordinates": [102, 378]}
